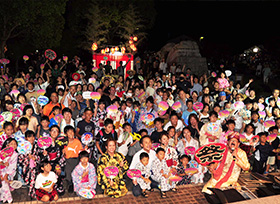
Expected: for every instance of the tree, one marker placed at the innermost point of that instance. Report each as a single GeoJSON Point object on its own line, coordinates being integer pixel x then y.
{"type": "Point", "coordinates": [38, 22]}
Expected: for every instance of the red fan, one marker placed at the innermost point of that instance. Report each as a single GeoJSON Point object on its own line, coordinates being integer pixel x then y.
{"type": "Point", "coordinates": [50, 54]}
{"type": "Point", "coordinates": [76, 76]}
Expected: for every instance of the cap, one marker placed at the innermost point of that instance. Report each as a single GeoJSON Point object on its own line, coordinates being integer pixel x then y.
{"type": "Point", "coordinates": [222, 93]}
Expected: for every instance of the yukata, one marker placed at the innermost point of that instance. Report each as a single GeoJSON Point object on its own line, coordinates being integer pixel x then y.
{"type": "Point", "coordinates": [101, 115]}
{"type": "Point", "coordinates": [30, 169]}
{"type": "Point", "coordinates": [181, 147]}
{"type": "Point", "coordinates": [119, 188]}
{"type": "Point", "coordinates": [5, 190]}
{"type": "Point", "coordinates": [227, 173]}
{"type": "Point", "coordinates": [204, 132]}
{"type": "Point", "coordinates": [157, 166]}
{"type": "Point", "coordinates": [118, 121]}
{"type": "Point", "coordinates": [171, 156]}
{"type": "Point", "coordinates": [146, 172]}
{"type": "Point", "coordinates": [186, 179]}
{"type": "Point", "coordinates": [141, 125]}
{"type": "Point", "coordinates": [88, 181]}
{"type": "Point", "coordinates": [56, 159]}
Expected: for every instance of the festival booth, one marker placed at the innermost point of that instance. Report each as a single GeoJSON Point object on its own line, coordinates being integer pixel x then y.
{"type": "Point", "coordinates": [115, 59]}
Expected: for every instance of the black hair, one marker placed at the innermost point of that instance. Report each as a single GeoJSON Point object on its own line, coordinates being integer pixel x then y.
{"type": "Point", "coordinates": [230, 122]}
{"type": "Point", "coordinates": [55, 126]}
{"type": "Point", "coordinates": [142, 138]}
{"type": "Point", "coordinates": [23, 121]}
{"type": "Point", "coordinates": [126, 124]}
{"type": "Point", "coordinates": [213, 113]}
{"type": "Point", "coordinates": [8, 123]}
{"type": "Point", "coordinates": [185, 156]}
{"type": "Point", "coordinates": [55, 108]}
{"type": "Point", "coordinates": [262, 133]}
{"type": "Point", "coordinates": [29, 133]}
{"type": "Point", "coordinates": [88, 109]}
{"type": "Point", "coordinates": [142, 130]}
{"type": "Point", "coordinates": [66, 110]}
{"type": "Point", "coordinates": [272, 128]}
{"type": "Point", "coordinates": [82, 154]}
{"type": "Point", "coordinates": [158, 119]}
{"type": "Point", "coordinates": [8, 141]}
{"type": "Point", "coordinates": [160, 149]}
{"type": "Point", "coordinates": [44, 117]}
{"type": "Point", "coordinates": [43, 164]}
{"type": "Point", "coordinates": [108, 121]}
{"type": "Point", "coordinates": [67, 128]}
{"type": "Point", "coordinates": [144, 155]}
{"type": "Point", "coordinates": [150, 99]}
{"type": "Point", "coordinates": [26, 108]}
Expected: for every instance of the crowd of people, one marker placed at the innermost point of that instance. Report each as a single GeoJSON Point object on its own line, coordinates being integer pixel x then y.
{"type": "Point", "coordinates": [138, 134]}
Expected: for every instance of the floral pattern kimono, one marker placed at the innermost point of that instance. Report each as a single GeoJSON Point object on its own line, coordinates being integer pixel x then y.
{"type": "Point", "coordinates": [30, 169]}
{"type": "Point", "coordinates": [118, 119]}
{"type": "Point", "coordinates": [88, 181]}
{"type": "Point", "coordinates": [5, 190]}
{"type": "Point", "coordinates": [119, 187]}
{"type": "Point", "coordinates": [171, 156]}
{"type": "Point", "coordinates": [56, 159]}
{"type": "Point", "coordinates": [96, 120]}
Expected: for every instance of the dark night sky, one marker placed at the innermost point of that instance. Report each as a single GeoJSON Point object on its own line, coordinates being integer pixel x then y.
{"type": "Point", "coordinates": [238, 25]}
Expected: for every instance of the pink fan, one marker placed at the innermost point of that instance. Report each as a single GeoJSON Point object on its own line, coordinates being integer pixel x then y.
{"type": "Point", "coordinates": [111, 172]}
{"type": "Point", "coordinates": [133, 173]}
{"type": "Point", "coordinates": [95, 96]}
{"type": "Point", "coordinates": [213, 74]}
{"type": "Point", "coordinates": [243, 139]}
{"type": "Point", "coordinates": [191, 171]}
{"type": "Point", "coordinates": [14, 92]}
{"type": "Point", "coordinates": [4, 61]}
{"type": "Point", "coordinates": [198, 106]}
{"type": "Point", "coordinates": [94, 69]}
{"type": "Point", "coordinates": [25, 57]}
{"type": "Point", "coordinates": [23, 105]}
{"type": "Point", "coordinates": [16, 113]}
{"type": "Point", "coordinates": [1, 119]}
{"type": "Point", "coordinates": [50, 54]}
{"type": "Point", "coordinates": [238, 105]}
{"type": "Point", "coordinates": [155, 146]}
{"type": "Point", "coordinates": [42, 66]}
{"type": "Point", "coordinates": [261, 106]}
{"type": "Point", "coordinates": [141, 95]}
{"type": "Point", "coordinates": [189, 150]}
{"type": "Point", "coordinates": [112, 109]}
{"type": "Point", "coordinates": [271, 137]}
{"type": "Point", "coordinates": [91, 80]}
{"type": "Point", "coordinates": [87, 193]}
{"type": "Point", "coordinates": [44, 142]}
{"type": "Point", "coordinates": [41, 92]}
{"type": "Point", "coordinates": [269, 123]}
{"type": "Point", "coordinates": [175, 178]}
{"type": "Point", "coordinates": [56, 118]}
{"type": "Point", "coordinates": [262, 114]}
{"type": "Point", "coordinates": [65, 58]}
{"type": "Point", "coordinates": [176, 106]}
{"type": "Point", "coordinates": [224, 113]}
{"type": "Point", "coordinates": [163, 105]}
{"type": "Point", "coordinates": [5, 154]}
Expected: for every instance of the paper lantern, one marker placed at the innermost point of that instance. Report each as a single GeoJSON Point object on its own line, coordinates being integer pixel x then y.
{"type": "Point", "coordinates": [112, 50]}
{"type": "Point", "coordinates": [94, 46]}
{"type": "Point", "coordinates": [135, 38]}
{"type": "Point", "coordinates": [102, 51]}
{"type": "Point", "coordinates": [107, 49]}
{"type": "Point", "coordinates": [116, 48]}
{"type": "Point", "coordinates": [130, 42]}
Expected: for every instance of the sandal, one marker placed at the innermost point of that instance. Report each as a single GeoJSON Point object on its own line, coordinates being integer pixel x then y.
{"type": "Point", "coordinates": [144, 194]}
{"type": "Point", "coordinates": [162, 194]}
{"type": "Point", "coordinates": [174, 189]}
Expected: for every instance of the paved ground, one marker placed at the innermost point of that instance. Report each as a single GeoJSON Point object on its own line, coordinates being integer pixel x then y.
{"type": "Point", "coordinates": [186, 194]}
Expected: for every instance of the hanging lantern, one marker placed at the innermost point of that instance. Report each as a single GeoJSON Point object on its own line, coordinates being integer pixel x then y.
{"type": "Point", "coordinates": [112, 50]}
{"type": "Point", "coordinates": [135, 38]}
{"type": "Point", "coordinates": [102, 51]}
{"type": "Point", "coordinates": [131, 38]}
{"type": "Point", "coordinates": [133, 47]}
{"type": "Point", "coordinates": [130, 42]}
{"type": "Point", "coordinates": [107, 49]}
{"type": "Point", "coordinates": [116, 48]}
{"type": "Point", "coordinates": [94, 46]}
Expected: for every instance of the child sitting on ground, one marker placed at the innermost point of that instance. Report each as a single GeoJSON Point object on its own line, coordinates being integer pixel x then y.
{"type": "Point", "coordinates": [161, 173]}
{"type": "Point", "coordinates": [183, 165]}
{"type": "Point", "coordinates": [84, 175]}
{"type": "Point", "coordinates": [144, 182]}
{"type": "Point", "coordinates": [45, 182]}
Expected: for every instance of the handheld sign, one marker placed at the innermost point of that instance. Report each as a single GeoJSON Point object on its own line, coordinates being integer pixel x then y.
{"type": "Point", "coordinates": [163, 106]}
{"type": "Point", "coordinates": [209, 153]}
{"type": "Point", "coordinates": [16, 184]}
{"type": "Point", "coordinates": [148, 119]}
{"type": "Point", "coordinates": [271, 137]}
{"type": "Point", "coordinates": [42, 100]}
{"type": "Point", "coordinates": [133, 173]}
{"type": "Point", "coordinates": [198, 106]}
{"type": "Point", "coordinates": [86, 193]}
{"type": "Point", "coordinates": [111, 172]}
{"type": "Point", "coordinates": [86, 138]}
{"type": "Point", "coordinates": [50, 54]}
{"type": "Point", "coordinates": [155, 146]}
{"type": "Point", "coordinates": [5, 154]}
{"type": "Point", "coordinates": [189, 150]}
{"type": "Point", "coordinates": [8, 116]}
{"type": "Point", "coordinates": [44, 142]}
{"type": "Point", "coordinates": [224, 113]}
{"type": "Point", "coordinates": [24, 147]}
{"type": "Point", "coordinates": [269, 123]}
{"type": "Point", "coordinates": [176, 106]}
{"type": "Point", "coordinates": [87, 95]}
{"type": "Point", "coordinates": [95, 96]}
{"type": "Point", "coordinates": [41, 92]}
{"type": "Point", "coordinates": [112, 109]}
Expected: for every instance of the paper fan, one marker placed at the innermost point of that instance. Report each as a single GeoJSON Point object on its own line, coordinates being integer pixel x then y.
{"type": "Point", "coordinates": [86, 193]}
{"type": "Point", "coordinates": [42, 66]}
{"type": "Point", "coordinates": [141, 95]}
{"type": "Point", "coordinates": [175, 178]}
{"type": "Point", "coordinates": [23, 105]}
{"type": "Point", "coordinates": [16, 113]}
{"type": "Point", "coordinates": [238, 105]}
{"type": "Point", "coordinates": [176, 106]}
{"type": "Point", "coordinates": [155, 146]}
{"type": "Point", "coordinates": [198, 106]}
{"type": "Point", "coordinates": [56, 118]}
{"type": "Point", "coordinates": [42, 100]}
{"type": "Point", "coordinates": [94, 69]}
{"type": "Point", "coordinates": [133, 173]}
{"type": "Point", "coordinates": [271, 137]}
{"type": "Point", "coordinates": [41, 92]}
{"type": "Point", "coordinates": [243, 139]}
{"type": "Point", "coordinates": [14, 92]}
{"type": "Point", "coordinates": [261, 106]}
{"type": "Point", "coordinates": [4, 61]}
{"type": "Point", "coordinates": [111, 172]}
{"type": "Point", "coordinates": [8, 116]}
{"type": "Point", "coordinates": [6, 152]}
{"type": "Point", "coordinates": [65, 58]}
{"type": "Point", "coordinates": [44, 142]}
{"type": "Point", "coordinates": [16, 184]}
{"type": "Point", "coordinates": [189, 150]}
{"type": "Point", "coordinates": [269, 123]}
{"type": "Point", "coordinates": [262, 114]}
{"type": "Point", "coordinates": [148, 119]}
{"type": "Point", "coordinates": [24, 147]}
{"type": "Point", "coordinates": [25, 57]}
{"type": "Point", "coordinates": [87, 95]}
{"type": "Point", "coordinates": [209, 153]}
{"type": "Point", "coordinates": [163, 105]}
{"type": "Point", "coordinates": [1, 119]}
{"type": "Point", "coordinates": [228, 73]}
{"type": "Point", "coordinates": [91, 80]}
{"type": "Point", "coordinates": [50, 54]}
{"type": "Point", "coordinates": [95, 95]}
{"type": "Point", "coordinates": [87, 138]}
{"type": "Point", "coordinates": [191, 170]}
{"type": "Point", "coordinates": [213, 74]}
{"type": "Point", "coordinates": [193, 164]}
{"type": "Point", "coordinates": [224, 113]}
{"type": "Point", "coordinates": [213, 127]}
{"type": "Point", "coordinates": [76, 76]}
{"type": "Point", "coordinates": [112, 109]}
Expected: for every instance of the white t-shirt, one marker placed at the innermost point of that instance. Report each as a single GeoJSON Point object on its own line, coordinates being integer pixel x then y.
{"type": "Point", "coordinates": [124, 148]}
{"type": "Point", "coordinates": [136, 158]}
{"type": "Point", "coordinates": [178, 128]}
{"type": "Point", "coordinates": [45, 181]}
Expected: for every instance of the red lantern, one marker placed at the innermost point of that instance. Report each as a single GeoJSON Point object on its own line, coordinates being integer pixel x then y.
{"type": "Point", "coordinates": [112, 50]}
{"type": "Point", "coordinates": [102, 51]}
{"type": "Point", "coordinates": [107, 49]}
{"type": "Point", "coordinates": [135, 38]}
{"type": "Point", "coordinates": [94, 46]}
{"type": "Point", "coordinates": [130, 42]}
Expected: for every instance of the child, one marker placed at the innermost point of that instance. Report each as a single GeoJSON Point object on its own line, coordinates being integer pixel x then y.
{"type": "Point", "coordinates": [43, 129]}
{"type": "Point", "coordinates": [246, 113]}
{"type": "Point", "coordinates": [272, 155]}
{"type": "Point", "coordinates": [85, 125]}
{"type": "Point", "coordinates": [71, 153]}
{"type": "Point", "coordinates": [29, 163]}
{"type": "Point", "coordinates": [99, 115]}
{"type": "Point", "coordinates": [135, 116]}
{"type": "Point", "coordinates": [67, 119]}
{"type": "Point", "coordinates": [144, 182]}
{"type": "Point", "coordinates": [261, 153]}
{"type": "Point", "coordinates": [8, 172]}
{"type": "Point", "coordinates": [84, 176]}
{"type": "Point", "coordinates": [104, 134]}
{"type": "Point", "coordinates": [55, 156]}
{"type": "Point", "coordinates": [23, 127]}
{"type": "Point", "coordinates": [8, 131]}
{"type": "Point", "coordinates": [159, 122]}
{"type": "Point", "coordinates": [186, 178]}
{"type": "Point", "coordinates": [230, 128]}
{"type": "Point", "coordinates": [125, 140]}
{"type": "Point", "coordinates": [45, 182]}
{"type": "Point", "coordinates": [56, 110]}
{"type": "Point", "coordinates": [173, 139]}
{"type": "Point", "coordinates": [161, 173]}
